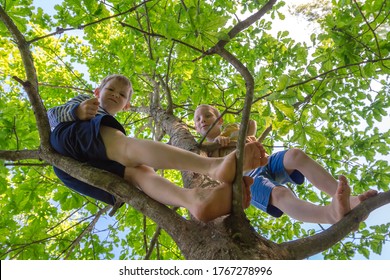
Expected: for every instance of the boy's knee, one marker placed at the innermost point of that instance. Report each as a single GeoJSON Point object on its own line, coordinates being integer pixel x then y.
{"type": "Point", "coordinates": [279, 194]}
{"type": "Point", "coordinates": [296, 154]}
{"type": "Point", "coordinates": [146, 170]}
{"type": "Point", "coordinates": [133, 174]}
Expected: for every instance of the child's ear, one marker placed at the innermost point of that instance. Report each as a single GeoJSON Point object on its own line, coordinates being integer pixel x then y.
{"type": "Point", "coordinates": [96, 92]}
{"type": "Point", "coordinates": [127, 107]}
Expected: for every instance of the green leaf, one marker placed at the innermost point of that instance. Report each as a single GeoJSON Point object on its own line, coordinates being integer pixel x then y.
{"type": "Point", "coordinates": [283, 82]}
{"type": "Point", "coordinates": [286, 109]}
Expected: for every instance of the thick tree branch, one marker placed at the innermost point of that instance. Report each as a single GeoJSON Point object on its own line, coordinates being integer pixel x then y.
{"type": "Point", "coordinates": [168, 219]}
{"type": "Point", "coordinates": [19, 155]}
{"type": "Point", "coordinates": [31, 84]}
{"type": "Point", "coordinates": [306, 247]}
{"type": "Point", "coordinates": [164, 84]}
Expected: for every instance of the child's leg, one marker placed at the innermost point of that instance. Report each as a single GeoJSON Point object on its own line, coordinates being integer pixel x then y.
{"type": "Point", "coordinates": [204, 204]}
{"type": "Point", "coordinates": [284, 199]}
{"type": "Point", "coordinates": [132, 152]}
{"type": "Point", "coordinates": [296, 159]}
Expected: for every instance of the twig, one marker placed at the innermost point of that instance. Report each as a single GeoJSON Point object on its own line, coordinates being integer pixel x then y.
{"type": "Point", "coordinates": [153, 243]}
{"type": "Point", "coordinates": [86, 230]}
{"type": "Point", "coordinates": [62, 30]}
{"type": "Point", "coordinates": [264, 134]}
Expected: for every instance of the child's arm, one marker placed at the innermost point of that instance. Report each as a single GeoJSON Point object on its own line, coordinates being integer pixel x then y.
{"type": "Point", "coordinates": [222, 140]}
{"type": "Point", "coordinates": [66, 112]}
{"type": "Point", "coordinates": [230, 133]}
{"type": "Point", "coordinates": [252, 128]}
{"type": "Point", "coordinates": [87, 109]}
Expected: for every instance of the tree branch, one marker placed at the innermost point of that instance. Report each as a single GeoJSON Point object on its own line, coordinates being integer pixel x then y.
{"type": "Point", "coordinates": [152, 34]}
{"type": "Point", "coordinates": [306, 247]}
{"type": "Point", "coordinates": [265, 134]}
{"type": "Point", "coordinates": [249, 82]}
{"type": "Point", "coordinates": [153, 243]}
{"type": "Point", "coordinates": [62, 30]}
{"type": "Point", "coordinates": [242, 25]}
{"type": "Point", "coordinates": [31, 85]}
{"type": "Point", "coordinates": [369, 27]}
{"type": "Point", "coordinates": [337, 69]}
{"type": "Point", "coordinates": [121, 189]}
{"type": "Point", "coordinates": [66, 87]}
{"type": "Point", "coordinates": [88, 229]}
{"type": "Point", "coordinates": [19, 155]}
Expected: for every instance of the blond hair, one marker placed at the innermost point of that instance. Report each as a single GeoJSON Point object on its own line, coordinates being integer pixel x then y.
{"type": "Point", "coordinates": [119, 77]}
{"type": "Point", "coordinates": [212, 108]}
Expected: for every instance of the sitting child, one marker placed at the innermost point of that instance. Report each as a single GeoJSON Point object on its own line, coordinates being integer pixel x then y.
{"type": "Point", "coordinates": [289, 166]}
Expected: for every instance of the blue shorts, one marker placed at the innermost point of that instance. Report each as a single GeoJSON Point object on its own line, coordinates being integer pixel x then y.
{"type": "Point", "coordinates": [81, 140]}
{"type": "Point", "coordinates": [269, 176]}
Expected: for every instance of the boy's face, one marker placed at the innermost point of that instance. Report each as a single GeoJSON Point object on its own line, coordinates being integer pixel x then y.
{"type": "Point", "coordinates": [114, 96]}
{"type": "Point", "coordinates": [204, 118]}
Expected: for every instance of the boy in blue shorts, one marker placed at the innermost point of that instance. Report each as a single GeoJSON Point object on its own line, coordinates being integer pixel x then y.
{"type": "Point", "coordinates": [289, 166]}
{"type": "Point", "coordinates": [85, 129]}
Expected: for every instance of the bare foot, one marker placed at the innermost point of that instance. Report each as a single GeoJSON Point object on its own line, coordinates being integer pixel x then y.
{"type": "Point", "coordinates": [356, 200]}
{"type": "Point", "coordinates": [340, 203]}
{"type": "Point", "coordinates": [254, 156]}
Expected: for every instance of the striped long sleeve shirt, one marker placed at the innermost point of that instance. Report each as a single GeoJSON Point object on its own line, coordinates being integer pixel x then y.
{"type": "Point", "coordinates": [67, 112]}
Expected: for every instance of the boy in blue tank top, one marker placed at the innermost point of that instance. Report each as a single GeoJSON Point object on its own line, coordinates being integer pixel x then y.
{"type": "Point", "coordinates": [290, 166]}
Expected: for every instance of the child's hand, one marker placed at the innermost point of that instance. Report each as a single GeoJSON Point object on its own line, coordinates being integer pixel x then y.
{"type": "Point", "coordinates": [87, 109]}
{"type": "Point", "coordinates": [264, 160]}
{"type": "Point", "coordinates": [222, 140]}
{"type": "Point", "coordinates": [250, 139]}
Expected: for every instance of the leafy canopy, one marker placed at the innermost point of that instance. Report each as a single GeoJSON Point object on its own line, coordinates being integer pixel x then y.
{"type": "Point", "coordinates": [325, 96]}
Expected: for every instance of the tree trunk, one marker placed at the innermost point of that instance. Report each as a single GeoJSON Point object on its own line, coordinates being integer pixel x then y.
{"type": "Point", "coordinates": [229, 238]}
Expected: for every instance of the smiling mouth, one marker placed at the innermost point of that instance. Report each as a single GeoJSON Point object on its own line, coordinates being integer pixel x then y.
{"type": "Point", "coordinates": [113, 100]}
